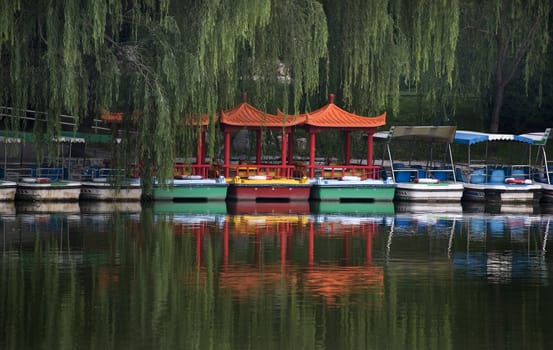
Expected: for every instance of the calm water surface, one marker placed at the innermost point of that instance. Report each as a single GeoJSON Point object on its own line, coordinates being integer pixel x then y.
{"type": "Point", "coordinates": [274, 276]}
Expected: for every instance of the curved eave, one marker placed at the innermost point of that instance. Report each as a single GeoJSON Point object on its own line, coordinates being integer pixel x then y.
{"type": "Point", "coordinates": [244, 115]}
{"type": "Point", "coordinates": [331, 116]}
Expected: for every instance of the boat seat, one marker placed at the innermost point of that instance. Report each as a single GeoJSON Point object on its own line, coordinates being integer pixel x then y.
{"type": "Point", "coordinates": [497, 176]}
{"type": "Point", "coordinates": [518, 174]}
{"type": "Point", "coordinates": [478, 176]}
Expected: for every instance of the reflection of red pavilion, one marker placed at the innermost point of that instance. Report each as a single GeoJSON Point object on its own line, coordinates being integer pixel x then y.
{"type": "Point", "coordinates": [328, 281]}
{"type": "Point", "coordinates": [331, 282]}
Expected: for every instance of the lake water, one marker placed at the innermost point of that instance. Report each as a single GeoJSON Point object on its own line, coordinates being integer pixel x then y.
{"type": "Point", "coordinates": [274, 276]}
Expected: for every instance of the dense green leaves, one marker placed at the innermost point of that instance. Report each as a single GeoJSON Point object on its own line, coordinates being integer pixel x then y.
{"type": "Point", "coordinates": [175, 60]}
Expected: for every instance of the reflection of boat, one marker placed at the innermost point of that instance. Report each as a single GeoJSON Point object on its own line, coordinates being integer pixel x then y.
{"type": "Point", "coordinates": [257, 223]}
{"type": "Point", "coordinates": [47, 207]}
{"type": "Point", "coordinates": [376, 208]}
{"type": "Point", "coordinates": [497, 247]}
{"type": "Point", "coordinates": [501, 208]}
{"type": "Point", "coordinates": [109, 207]}
{"type": "Point", "coordinates": [420, 207]}
{"type": "Point", "coordinates": [253, 207]}
{"type": "Point", "coordinates": [214, 207]}
{"type": "Point", "coordinates": [432, 182]}
{"type": "Point", "coordinates": [7, 208]}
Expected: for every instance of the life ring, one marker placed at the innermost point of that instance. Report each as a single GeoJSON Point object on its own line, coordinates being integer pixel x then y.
{"type": "Point", "coordinates": [350, 178]}
{"type": "Point", "coordinates": [518, 181]}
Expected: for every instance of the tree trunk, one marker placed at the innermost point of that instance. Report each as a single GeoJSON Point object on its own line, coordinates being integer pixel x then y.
{"type": "Point", "coordinates": [497, 104]}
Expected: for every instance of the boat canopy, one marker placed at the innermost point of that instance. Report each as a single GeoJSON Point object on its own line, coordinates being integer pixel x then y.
{"type": "Point", "coordinates": [465, 137]}
{"type": "Point", "coordinates": [537, 138]}
{"type": "Point", "coordinates": [443, 134]}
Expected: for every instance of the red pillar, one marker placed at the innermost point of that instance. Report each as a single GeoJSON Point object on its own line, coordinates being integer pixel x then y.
{"type": "Point", "coordinates": [291, 147]}
{"type": "Point", "coordinates": [370, 153]}
{"type": "Point", "coordinates": [199, 148]}
{"type": "Point", "coordinates": [258, 147]}
{"type": "Point", "coordinates": [347, 151]}
{"type": "Point", "coordinates": [283, 153]}
{"type": "Point", "coordinates": [227, 153]}
{"type": "Point", "coordinates": [312, 142]}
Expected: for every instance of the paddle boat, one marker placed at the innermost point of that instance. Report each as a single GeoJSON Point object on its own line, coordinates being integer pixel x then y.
{"type": "Point", "coordinates": [109, 184]}
{"type": "Point", "coordinates": [7, 188]}
{"type": "Point", "coordinates": [492, 181]}
{"type": "Point", "coordinates": [47, 184]}
{"type": "Point", "coordinates": [542, 169]}
{"type": "Point", "coordinates": [424, 179]}
{"type": "Point", "coordinates": [192, 188]}
{"type": "Point", "coordinates": [268, 188]}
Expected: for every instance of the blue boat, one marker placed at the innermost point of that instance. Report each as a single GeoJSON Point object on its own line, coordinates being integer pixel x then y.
{"type": "Point", "coordinates": [492, 181]}
{"type": "Point", "coordinates": [542, 170]}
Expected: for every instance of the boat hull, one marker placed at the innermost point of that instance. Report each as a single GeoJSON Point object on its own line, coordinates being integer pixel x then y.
{"type": "Point", "coordinates": [268, 190]}
{"type": "Point", "coordinates": [103, 191]}
{"type": "Point", "coordinates": [502, 193]}
{"type": "Point", "coordinates": [63, 191]}
{"type": "Point", "coordinates": [192, 190]}
{"type": "Point", "coordinates": [336, 190]}
{"type": "Point", "coordinates": [429, 192]}
{"type": "Point", "coordinates": [7, 190]}
{"type": "Point", "coordinates": [547, 193]}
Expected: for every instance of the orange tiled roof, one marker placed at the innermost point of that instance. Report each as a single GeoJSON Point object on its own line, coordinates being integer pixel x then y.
{"type": "Point", "coordinates": [246, 115]}
{"type": "Point", "coordinates": [332, 116]}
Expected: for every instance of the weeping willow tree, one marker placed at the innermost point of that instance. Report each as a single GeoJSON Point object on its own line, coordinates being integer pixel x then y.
{"type": "Point", "coordinates": [171, 61]}
{"type": "Point", "coordinates": [500, 40]}
{"type": "Point", "coordinates": [174, 61]}
{"type": "Point", "coordinates": [378, 47]}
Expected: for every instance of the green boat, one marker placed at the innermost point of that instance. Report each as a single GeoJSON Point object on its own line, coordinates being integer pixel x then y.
{"type": "Point", "coordinates": [353, 190]}
{"type": "Point", "coordinates": [192, 190]}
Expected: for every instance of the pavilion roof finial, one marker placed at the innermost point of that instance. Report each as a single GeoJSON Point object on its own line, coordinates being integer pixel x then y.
{"type": "Point", "coordinates": [330, 98]}
{"type": "Point", "coordinates": [244, 97]}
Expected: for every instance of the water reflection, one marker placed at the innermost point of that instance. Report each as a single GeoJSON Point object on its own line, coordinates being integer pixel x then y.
{"type": "Point", "coordinates": [250, 276]}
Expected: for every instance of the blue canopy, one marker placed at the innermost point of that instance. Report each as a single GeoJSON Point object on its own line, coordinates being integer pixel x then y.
{"type": "Point", "coordinates": [465, 137]}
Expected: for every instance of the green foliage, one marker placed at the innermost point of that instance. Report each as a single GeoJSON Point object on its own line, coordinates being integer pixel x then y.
{"type": "Point", "coordinates": [176, 60]}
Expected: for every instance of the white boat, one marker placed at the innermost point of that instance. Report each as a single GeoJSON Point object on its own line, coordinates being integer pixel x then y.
{"type": "Point", "coordinates": [485, 181]}
{"type": "Point", "coordinates": [425, 179]}
{"type": "Point", "coordinates": [106, 184]}
{"type": "Point", "coordinates": [45, 189]}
